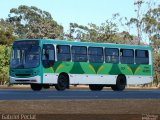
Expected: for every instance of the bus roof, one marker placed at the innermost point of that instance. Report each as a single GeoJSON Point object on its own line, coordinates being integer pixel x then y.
{"type": "Point", "coordinates": [109, 45]}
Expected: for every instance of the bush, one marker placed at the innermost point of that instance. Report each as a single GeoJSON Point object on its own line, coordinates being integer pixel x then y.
{"type": "Point", "coordinates": [4, 63]}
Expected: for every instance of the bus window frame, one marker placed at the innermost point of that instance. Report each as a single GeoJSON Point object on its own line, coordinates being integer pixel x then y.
{"type": "Point", "coordinates": [148, 57]}
{"type": "Point", "coordinates": [118, 56]}
{"type": "Point", "coordinates": [49, 63]}
{"type": "Point", "coordinates": [78, 53]}
{"type": "Point", "coordinates": [96, 55]}
{"type": "Point", "coordinates": [57, 52]}
{"type": "Point", "coordinates": [123, 56]}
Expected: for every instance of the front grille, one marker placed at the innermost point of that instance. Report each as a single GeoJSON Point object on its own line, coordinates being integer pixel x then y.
{"type": "Point", "coordinates": [23, 74]}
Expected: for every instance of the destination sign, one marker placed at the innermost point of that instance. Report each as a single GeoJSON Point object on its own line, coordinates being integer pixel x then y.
{"type": "Point", "coordinates": [26, 43]}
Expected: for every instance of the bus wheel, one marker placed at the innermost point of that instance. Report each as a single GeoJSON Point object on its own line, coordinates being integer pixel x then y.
{"type": "Point", "coordinates": [96, 87]}
{"type": "Point", "coordinates": [62, 83]}
{"type": "Point", "coordinates": [36, 87]}
{"type": "Point", "coordinates": [114, 87]}
{"type": "Point", "coordinates": [120, 83]}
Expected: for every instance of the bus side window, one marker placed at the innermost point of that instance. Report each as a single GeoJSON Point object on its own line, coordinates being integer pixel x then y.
{"type": "Point", "coordinates": [95, 54]}
{"type": "Point", "coordinates": [48, 57]}
{"type": "Point", "coordinates": [127, 56]}
{"type": "Point", "coordinates": [63, 53]}
{"type": "Point", "coordinates": [111, 55]}
{"type": "Point", "coordinates": [141, 57]}
{"type": "Point", "coordinates": [79, 54]}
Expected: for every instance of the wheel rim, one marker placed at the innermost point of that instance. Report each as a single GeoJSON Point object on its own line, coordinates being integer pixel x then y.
{"type": "Point", "coordinates": [62, 83]}
{"type": "Point", "coordinates": [121, 83]}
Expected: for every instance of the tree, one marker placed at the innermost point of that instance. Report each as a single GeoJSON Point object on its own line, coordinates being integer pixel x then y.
{"type": "Point", "coordinates": [4, 63]}
{"type": "Point", "coordinates": [6, 38]}
{"type": "Point", "coordinates": [142, 21]}
{"type": "Point", "coordinates": [152, 25]}
{"type": "Point", "coordinates": [6, 33]}
{"type": "Point", "coordinates": [138, 21]}
{"type": "Point", "coordinates": [106, 32]}
{"type": "Point", "coordinates": [149, 23]}
{"type": "Point", "coordinates": [152, 28]}
{"type": "Point", "coordinates": [31, 22]}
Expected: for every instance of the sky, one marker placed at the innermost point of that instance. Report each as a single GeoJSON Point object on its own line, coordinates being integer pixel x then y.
{"type": "Point", "coordinates": [78, 11]}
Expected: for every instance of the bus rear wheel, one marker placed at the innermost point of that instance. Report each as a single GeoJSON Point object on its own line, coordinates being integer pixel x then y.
{"type": "Point", "coordinates": [96, 87]}
{"type": "Point", "coordinates": [114, 87]}
{"type": "Point", "coordinates": [62, 83]}
{"type": "Point", "coordinates": [36, 87]}
{"type": "Point", "coordinates": [120, 83]}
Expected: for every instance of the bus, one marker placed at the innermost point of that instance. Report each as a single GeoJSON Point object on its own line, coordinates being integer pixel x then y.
{"type": "Point", "coordinates": [42, 63]}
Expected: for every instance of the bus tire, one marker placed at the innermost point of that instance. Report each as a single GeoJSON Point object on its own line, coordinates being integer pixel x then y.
{"type": "Point", "coordinates": [36, 87]}
{"type": "Point", "coordinates": [96, 87]}
{"type": "Point", "coordinates": [62, 83]}
{"type": "Point", "coordinates": [120, 83]}
{"type": "Point", "coordinates": [114, 87]}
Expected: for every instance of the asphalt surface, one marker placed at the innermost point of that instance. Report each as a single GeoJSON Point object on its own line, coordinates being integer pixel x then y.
{"type": "Point", "coordinates": [12, 94]}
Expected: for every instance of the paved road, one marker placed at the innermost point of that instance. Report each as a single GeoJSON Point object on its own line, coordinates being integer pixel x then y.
{"type": "Point", "coordinates": [13, 94]}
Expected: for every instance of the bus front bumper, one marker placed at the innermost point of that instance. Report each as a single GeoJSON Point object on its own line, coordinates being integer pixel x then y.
{"type": "Point", "coordinates": [29, 80]}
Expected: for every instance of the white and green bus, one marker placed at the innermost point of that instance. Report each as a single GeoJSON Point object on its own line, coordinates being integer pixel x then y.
{"type": "Point", "coordinates": [43, 63]}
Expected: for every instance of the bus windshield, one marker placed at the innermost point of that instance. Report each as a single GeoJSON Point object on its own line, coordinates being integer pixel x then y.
{"type": "Point", "coordinates": [27, 56]}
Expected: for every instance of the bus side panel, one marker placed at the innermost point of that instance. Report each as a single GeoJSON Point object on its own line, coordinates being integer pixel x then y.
{"type": "Point", "coordinates": [98, 73]}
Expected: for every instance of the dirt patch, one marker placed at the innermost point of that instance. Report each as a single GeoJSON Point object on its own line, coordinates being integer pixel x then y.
{"type": "Point", "coordinates": [83, 109]}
